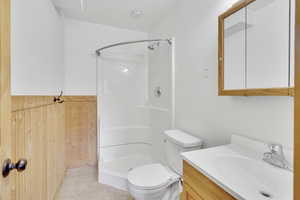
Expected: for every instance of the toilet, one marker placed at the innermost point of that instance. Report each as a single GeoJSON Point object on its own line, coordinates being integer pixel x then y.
{"type": "Point", "coordinates": [159, 182]}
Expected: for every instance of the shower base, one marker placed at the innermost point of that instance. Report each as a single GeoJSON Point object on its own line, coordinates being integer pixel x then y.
{"type": "Point", "coordinates": [114, 173]}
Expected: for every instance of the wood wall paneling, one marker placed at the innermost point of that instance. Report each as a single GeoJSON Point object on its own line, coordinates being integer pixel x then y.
{"type": "Point", "coordinates": [55, 148]}
{"type": "Point", "coordinates": [81, 131]}
{"type": "Point", "coordinates": [80, 98]}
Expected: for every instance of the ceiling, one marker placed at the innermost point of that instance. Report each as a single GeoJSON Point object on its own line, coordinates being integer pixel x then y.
{"type": "Point", "coordinates": [117, 12]}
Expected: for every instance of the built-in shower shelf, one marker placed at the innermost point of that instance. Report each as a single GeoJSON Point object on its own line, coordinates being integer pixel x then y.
{"type": "Point", "coordinates": [154, 108]}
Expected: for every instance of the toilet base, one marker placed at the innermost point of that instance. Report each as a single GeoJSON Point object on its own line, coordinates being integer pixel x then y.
{"type": "Point", "coordinates": [171, 192]}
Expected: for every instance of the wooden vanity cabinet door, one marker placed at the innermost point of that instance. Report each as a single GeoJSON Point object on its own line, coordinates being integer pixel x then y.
{"type": "Point", "coordinates": [189, 194]}
{"type": "Point", "coordinates": [197, 186]}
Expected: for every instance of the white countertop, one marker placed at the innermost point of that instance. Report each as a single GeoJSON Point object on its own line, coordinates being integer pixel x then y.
{"type": "Point", "coordinates": [241, 172]}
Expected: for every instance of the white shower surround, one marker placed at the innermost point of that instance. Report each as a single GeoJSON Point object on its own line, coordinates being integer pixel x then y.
{"type": "Point", "coordinates": [132, 119]}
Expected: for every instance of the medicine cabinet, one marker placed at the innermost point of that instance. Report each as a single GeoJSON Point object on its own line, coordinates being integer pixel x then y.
{"type": "Point", "coordinates": [256, 49]}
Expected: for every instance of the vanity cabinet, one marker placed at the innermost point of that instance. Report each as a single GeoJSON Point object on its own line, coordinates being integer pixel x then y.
{"type": "Point", "coordinates": [196, 186]}
{"type": "Point", "coordinates": [256, 49]}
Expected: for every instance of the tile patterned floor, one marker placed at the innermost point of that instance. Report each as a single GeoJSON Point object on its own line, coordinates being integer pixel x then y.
{"type": "Point", "coordinates": [81, 184]}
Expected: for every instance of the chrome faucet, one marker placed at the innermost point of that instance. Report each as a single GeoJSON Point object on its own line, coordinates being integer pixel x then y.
{"type": "Point", "coordinates": [276, 157]}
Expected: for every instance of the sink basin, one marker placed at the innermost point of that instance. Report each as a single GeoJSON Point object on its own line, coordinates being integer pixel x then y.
{"type": "Point", "coordinates": [255, 177]}
{"type": "Point", "coordinates": [238, 169]}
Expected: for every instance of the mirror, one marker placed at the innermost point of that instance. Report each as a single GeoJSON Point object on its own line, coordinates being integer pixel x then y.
{"type": "Point", "coordinates": [268, 44]}
{"type": "Point", "coordinates": [234, 50]}
{"type": "Point", "coordinates": [255, 49]}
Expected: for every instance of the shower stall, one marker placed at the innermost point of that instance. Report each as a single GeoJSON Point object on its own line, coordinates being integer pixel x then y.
{"type": "Point", "coordinates": [135, 91]}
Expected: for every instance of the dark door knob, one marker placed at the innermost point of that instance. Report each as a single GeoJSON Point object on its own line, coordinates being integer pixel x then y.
{"type": "Point", "coordinates": [21, 165]}
{"type": "Point", "coordinates": [9, 166]}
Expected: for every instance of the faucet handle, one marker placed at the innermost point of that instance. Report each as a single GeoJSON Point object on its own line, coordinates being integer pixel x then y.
{"type": "Point", "coordinates": [276, 148]}
{"type": "Point", "coordinates": [276, 157]}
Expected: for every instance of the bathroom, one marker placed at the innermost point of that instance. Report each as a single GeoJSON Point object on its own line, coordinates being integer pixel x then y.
{"type": "Point", "coordinates": [140, 99]}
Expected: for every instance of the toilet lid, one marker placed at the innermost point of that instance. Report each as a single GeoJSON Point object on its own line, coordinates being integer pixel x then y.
{"type": "Point", "coordinates": [151, 176]}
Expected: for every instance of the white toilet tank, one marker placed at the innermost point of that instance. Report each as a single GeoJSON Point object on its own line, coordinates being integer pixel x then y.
{"type": "Point", "coordinates": [176, 143]}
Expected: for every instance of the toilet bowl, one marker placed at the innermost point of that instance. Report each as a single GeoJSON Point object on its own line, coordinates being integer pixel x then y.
{"type": "Point", "coordinates": [151, 182]}
{"type": "Point", "coordinates": [159, 182]}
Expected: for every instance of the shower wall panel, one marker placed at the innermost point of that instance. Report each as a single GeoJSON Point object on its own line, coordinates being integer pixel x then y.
{"type": "Point", "coordinates": [123, 96]}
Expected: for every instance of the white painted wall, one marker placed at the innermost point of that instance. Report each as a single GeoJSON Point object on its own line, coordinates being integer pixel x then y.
{"type": "Point", "coordinates": [37, 48]}
{"type": "Point", "coordinates": [199, 110]}
{"type": "Point", "coordinates": [81, 41]}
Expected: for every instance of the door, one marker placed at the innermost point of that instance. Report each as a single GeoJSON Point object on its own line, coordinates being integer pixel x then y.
{"type": "Point", "coordinates": [6, 189]}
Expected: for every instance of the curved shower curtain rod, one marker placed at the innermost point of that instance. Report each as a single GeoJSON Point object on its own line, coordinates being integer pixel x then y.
{"type": "Point", "coordinates": [98, 51]}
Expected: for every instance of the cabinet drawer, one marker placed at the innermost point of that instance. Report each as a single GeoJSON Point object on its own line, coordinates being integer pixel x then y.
{"type": "Point", "coordinates": [203, 186]}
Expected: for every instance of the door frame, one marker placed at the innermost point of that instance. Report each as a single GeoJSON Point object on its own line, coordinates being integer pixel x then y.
{"type": "Point", "coordinates": [297, 105]}
{"type": "Point", "coordinates": [6, 189]}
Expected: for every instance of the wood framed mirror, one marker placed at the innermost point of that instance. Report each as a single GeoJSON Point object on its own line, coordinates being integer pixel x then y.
{"type": "Point", "coordinates": [256, 49]}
